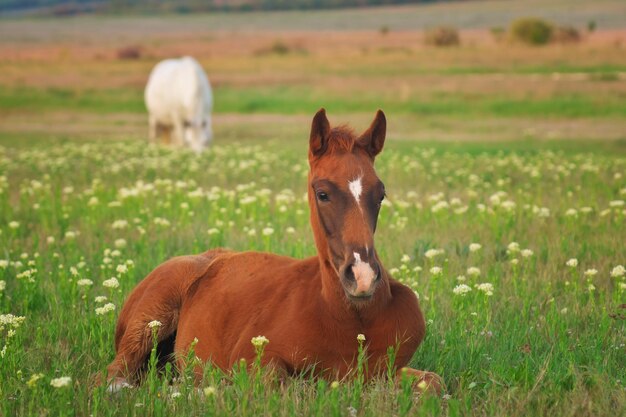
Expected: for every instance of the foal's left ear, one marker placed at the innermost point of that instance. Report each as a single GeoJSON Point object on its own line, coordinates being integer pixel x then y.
{"type": "Point", "coordinates": [373, 139]}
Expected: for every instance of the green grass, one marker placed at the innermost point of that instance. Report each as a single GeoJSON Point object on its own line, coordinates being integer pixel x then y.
{"type": "Point", "coordinates": [542, 344]}
{"type": "Point", "coordinates": [305, 100]}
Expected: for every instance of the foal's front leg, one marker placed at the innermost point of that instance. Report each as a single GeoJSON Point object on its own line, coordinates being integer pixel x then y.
{"type": "Point", "coordinates": [423, 381]}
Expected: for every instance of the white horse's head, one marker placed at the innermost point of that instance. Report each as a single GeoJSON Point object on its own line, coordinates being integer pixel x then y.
{"type": "Point", "coordinates": [198, 133]}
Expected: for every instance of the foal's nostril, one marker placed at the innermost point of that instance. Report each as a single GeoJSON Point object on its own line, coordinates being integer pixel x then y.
{"type": "Point", "coordinates": [378, 275]}
{"type": "Point", "coordinates": [349, 273]}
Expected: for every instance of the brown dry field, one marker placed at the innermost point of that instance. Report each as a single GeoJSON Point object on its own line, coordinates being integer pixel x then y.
{"type": "Point", "coordinates": [343, 62]}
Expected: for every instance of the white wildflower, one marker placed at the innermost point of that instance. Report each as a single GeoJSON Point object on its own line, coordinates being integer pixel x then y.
{"type": "Point", "coordinates": [120, 224]}
{"type": "Point", "coordinates": [259, 341]}
{"type": "Point", "coordinates": [84, 282]}
{"type": "Point", "coordinates": [474, 247]}
{"type": "Point", "coordinates": [618, 271]}
{"type": "Point", "coordinates": [572, 263]}
{"type": "Point", "coordinates": [155, 324]}
{"type": "Point", "coordinates": [111, 283]}
{"type": "Point", "coordinates": [61, 382]}
{"type": "Point", "coordinates": [431, 253]}
{"type": "Point", "coordinates": [436, 270]}
{"type": "Point", "coordinates": [105, 309]}
{"type": "Point", "coordinates": [513, 247]}
{"type": "Point", "coordinates": [485, 287]}
{"type": "Point", "coordinates": [461, 289]}
{"type": "Point", "coordinates": [473, 271]}
{"type": "Point", "coordinates": [527, 253]}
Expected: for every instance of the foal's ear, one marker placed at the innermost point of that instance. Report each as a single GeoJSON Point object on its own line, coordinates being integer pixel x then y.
{"type": "Point", "coordinates": [373, 139]}
{"type": "Point", "coordinates": [320, 129]}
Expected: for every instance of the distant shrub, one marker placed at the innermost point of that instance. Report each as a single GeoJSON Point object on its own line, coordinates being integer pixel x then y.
{"type": "Point", "coordinates": [384, 30]}
{"type": "Point", "coordinates": [280, 48]}
{"type": "Point", "coordinates": [591, 26]}
{"type": "Point", "coordinates": [604, 76]}
{"type": "Point", "coordinates": [442, 36]}
{"type": "Point", "coordinates": [531, 31]}
{"type": "Point", "coordinates": [129, 52]}
{"type": "Point", "coordinates": [566, 34]}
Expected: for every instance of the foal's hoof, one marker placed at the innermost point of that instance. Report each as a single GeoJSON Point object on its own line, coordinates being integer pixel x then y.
{"type": "Point", "coordinates": [424, 381]}
{"type": "Point", "coordinates": [117, 384]}
{"type": "Point", "coordinates": [430, 383]}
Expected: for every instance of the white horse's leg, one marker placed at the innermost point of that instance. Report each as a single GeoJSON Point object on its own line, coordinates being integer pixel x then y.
{"type": "Point", "coordinates": [152, 129]}
{"type": "Point", "coordinates": [178, 134]}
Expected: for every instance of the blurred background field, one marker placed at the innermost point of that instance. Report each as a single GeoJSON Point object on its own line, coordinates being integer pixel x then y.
{"type": "Point", "coordinates": [520, 149]}
{"type": "Point", "coordinates": [269, 69]}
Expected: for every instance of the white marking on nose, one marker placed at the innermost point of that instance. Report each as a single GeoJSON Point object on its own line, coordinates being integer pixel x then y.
{"type": "Point", "coordinates": [363, 274]}
{"type": "Point", "coordinates": [356, 188]}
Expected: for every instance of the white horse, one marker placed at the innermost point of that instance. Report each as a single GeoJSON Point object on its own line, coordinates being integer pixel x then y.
{"type": "Point", "coordinates": [179, 101]}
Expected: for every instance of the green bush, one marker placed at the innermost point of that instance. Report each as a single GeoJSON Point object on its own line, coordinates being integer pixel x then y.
{"type": "Point", "coordinates": [531, 31]}
{"type": "Point", "coordinates": [442, 36]}
{"type": "Point", "coordinates": [591, 26]}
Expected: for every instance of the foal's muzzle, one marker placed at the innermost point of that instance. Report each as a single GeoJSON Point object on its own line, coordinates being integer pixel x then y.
{"type": "Point", "coordinates": [359, 277]}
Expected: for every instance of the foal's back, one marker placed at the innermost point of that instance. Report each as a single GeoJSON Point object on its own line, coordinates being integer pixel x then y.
{"type": "Point", "coordinates": [250, 294]}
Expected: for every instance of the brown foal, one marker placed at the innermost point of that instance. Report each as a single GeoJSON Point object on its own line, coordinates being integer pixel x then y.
{"type": "Point", "coordinates": [311, 310]}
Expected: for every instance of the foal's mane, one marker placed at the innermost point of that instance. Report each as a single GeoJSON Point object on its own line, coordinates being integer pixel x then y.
{"type": "Point", "coordinates": [341, 139]}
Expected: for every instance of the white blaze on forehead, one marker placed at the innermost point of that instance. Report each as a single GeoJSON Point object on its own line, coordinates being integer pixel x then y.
{"type": "Point", "coordinates": [356, 188]}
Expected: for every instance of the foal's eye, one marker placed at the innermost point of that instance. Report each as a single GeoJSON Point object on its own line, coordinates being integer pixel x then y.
{"type": "Point", "coordinates": [322, 196]}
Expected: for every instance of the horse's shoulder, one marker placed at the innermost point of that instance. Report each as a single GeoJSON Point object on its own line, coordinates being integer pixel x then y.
{"type": "Point", "coordinates": [403, 296]}
{"type": "Point", "coordinates": [405, 308]}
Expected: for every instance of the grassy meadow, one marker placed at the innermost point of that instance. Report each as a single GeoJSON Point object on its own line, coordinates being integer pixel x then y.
{"type": "Point", "coordinates": [505, 169]}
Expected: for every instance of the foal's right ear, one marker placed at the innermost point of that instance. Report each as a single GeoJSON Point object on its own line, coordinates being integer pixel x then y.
{"type": "Point", "coordinates": [320, 129]}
